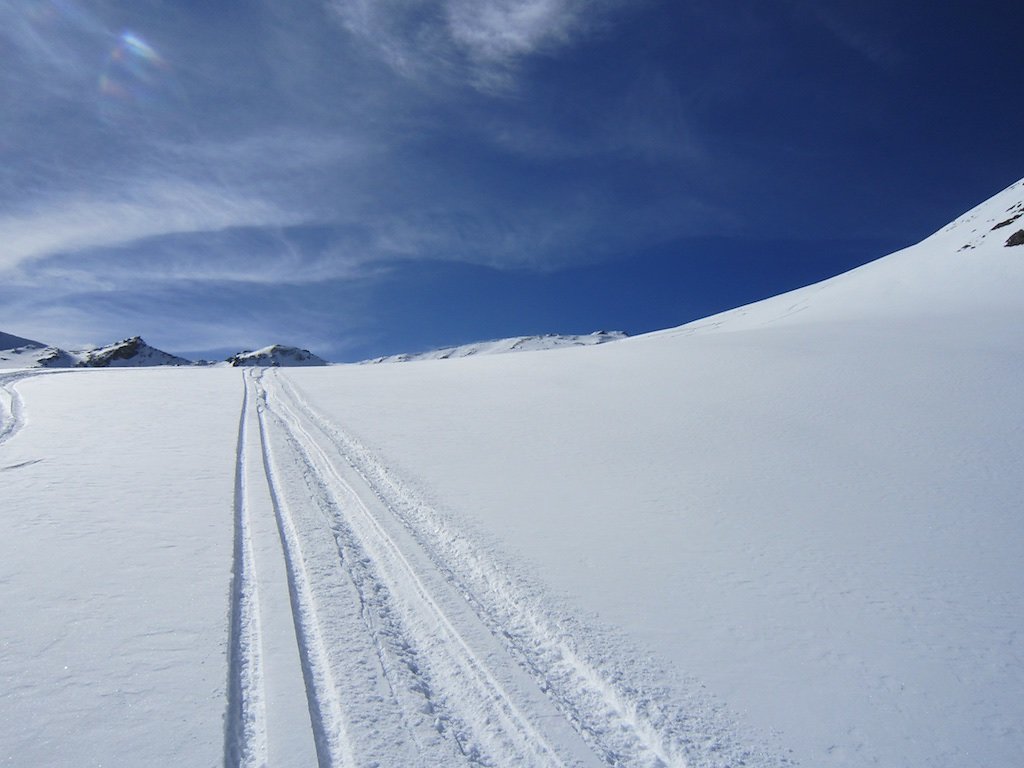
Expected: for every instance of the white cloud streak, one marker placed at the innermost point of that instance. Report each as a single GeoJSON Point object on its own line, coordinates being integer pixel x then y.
{"type": "Point", "coordinates": [503, 29]}
{"type": "Point", "coordinates": [481, 39]}
{"type": "Point", "coordinates": [301, 153]}
{"type": "Point", "coordinates": [158, 208]}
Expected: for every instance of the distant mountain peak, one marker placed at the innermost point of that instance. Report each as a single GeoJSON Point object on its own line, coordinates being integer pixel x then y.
{"type": "Point", "coordinates": [127, 353]}
{"type": "Point", "coordinates": [130, 352]}
{"type": "Point", "coordinates": [276, 355]}
{"type": "Point", "coordinates": [9, 341]}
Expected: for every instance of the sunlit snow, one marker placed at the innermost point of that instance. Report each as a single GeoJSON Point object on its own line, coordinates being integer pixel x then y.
{"type": "Point", "coordinates": [786, 534]}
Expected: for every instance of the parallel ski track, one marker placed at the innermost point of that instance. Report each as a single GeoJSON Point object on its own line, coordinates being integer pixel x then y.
{"type": "Point", "coordinates": [385, 689]}
{"type": "Point", "coordinates": [370, 702]}
{"type": "Point", "coordinates": [245, 743]}
{"type": "Point", "coordinates": [591, 704]}
{"type": "Point", "coordinates": [485, 702]}
{"type": "Point", "coordinates": [626, 719]}
{"type": "Point", "coordinates": [333, 745]}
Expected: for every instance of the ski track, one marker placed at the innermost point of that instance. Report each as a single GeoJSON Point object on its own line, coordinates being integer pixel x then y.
{"type": "Point", "coordinates": [366, 629]}
{"type": "Point", "coordinates": [245, 732]}
{"type": "Point", "coordinates": [332, 746]}
{"type": "Point", "coordinates": [12, 406]}
{"type": "Point", "coordinates": [369, 702]}
{"type": "Point", "coordinates": [615, 706]}
{"type": "Point", "coordinates": [593, 711]}
{"type": "Point", "coordinates": [428, 642]}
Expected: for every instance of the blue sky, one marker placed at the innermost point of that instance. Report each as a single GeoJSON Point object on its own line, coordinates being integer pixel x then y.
{"type": "Point", "coordinates": [363, 178]}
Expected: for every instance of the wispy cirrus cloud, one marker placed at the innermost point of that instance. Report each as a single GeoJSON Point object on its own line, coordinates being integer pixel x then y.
{"type": "Point", "coordinates": [154, 209]}
{"type": "Point", "coordinates": [298, 148]}
{"type": "Point", "coordinates": [480, 40]}
{"type": "Point", "coordinates": [501, 30]}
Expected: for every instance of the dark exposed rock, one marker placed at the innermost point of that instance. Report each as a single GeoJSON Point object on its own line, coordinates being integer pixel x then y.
{"type": "Point", "coordinates": [1017, 238]}
{"type": "Point", "coordinates": [1008, 222]}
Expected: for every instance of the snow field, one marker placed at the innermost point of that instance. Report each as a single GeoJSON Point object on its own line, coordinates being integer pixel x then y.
{"type": "Point", "coordinates": [609, 698]}
{"type": "Point", "coordinates": [114, 569]}
{"type": "Point", "coordinates": [798, 518]}
{"type": "Point", "coordinates": [481, 698]}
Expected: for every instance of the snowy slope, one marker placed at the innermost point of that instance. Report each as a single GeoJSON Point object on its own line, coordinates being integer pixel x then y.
{"type": "Point", "coordinates": [21, 357]}
{"type": "Point", "coordinates": [276, 355]}
{"type": "Point", "coordinates": [790, 533]}
{"type": "Point", "coordinates": [501, 346]}
{"type": "Point", "coordinates": [17, 352]}
{"type": "Point", "coordinates": [964, 269]}
{"type": "Point", "coordinates": [810, 504]}
{"type": "Point", "coordinates": [37, 357]}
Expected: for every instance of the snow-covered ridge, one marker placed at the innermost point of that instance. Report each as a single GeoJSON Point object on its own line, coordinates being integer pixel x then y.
{"type": "Point", "coordinates": [16, 352]}
{"type": "Point", "coordinates": [276, 355]}
{"type": "Point", "coordinates": [978, 254]}
{"type": "Point", "coordinates": [501, 346]}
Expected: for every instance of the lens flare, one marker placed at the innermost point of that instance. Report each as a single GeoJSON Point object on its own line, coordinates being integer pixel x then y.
{"type": "Point", "coordinates": [140, 48]}
{"type": "Point", "coordinates": [136, 80]}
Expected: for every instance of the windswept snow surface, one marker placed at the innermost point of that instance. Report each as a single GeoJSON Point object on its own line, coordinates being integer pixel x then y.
{"type": "Point", "coordinates": [789, 533]}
